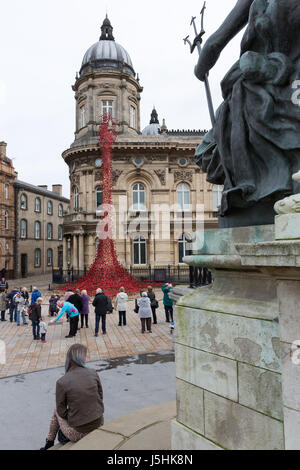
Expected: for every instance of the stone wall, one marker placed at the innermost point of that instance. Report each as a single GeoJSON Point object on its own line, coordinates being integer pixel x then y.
{"type": "Point", "coordinates": [237, 364]}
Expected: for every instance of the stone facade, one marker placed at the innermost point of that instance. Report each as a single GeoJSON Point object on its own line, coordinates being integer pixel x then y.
{"type": "Point", "coordinates": [157, 162]}
{"type": "Point", "coordinates": [38, 228]}
{"type": "Point", "coordinates": [7, 212]}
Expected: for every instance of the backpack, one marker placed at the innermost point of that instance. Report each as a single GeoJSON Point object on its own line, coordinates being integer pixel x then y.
{"type": "Point", "coordinates": [137, 308]}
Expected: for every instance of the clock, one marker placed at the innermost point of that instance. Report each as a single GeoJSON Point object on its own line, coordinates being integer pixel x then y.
{"type": "Point", "coordinates": [98, 163]}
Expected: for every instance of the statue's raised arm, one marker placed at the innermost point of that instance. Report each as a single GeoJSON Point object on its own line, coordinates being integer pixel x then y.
{"type": "Point", "coordinates": [253, 148]}
{"type": "Point", "coordinates": [233, 24]}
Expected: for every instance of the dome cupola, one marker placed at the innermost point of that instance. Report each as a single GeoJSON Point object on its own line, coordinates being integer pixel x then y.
{"type": "Point", "coordinates": [153, 129]}
{"type": "Point", "coordinates": [107, 54]}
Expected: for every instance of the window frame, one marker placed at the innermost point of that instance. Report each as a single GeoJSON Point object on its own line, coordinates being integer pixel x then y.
{"type": "Point", "coordinates": [25, 208]}
{"type": "Point", "coordinates": [50, 225]}
{"type": "Point", "coordinates": [50, 251]}
{"type": "Point", "coordinates": [39, 209]}
{"type": "Point", "coordinates": [38, 252]}
{"type": "Point", "coordinates": [181, 190]}
{"type": "Point", "coordinates": [140, 242]}
{"type": "Point", "coordinates": [50, 205]}
{"type": "Point", "coordinates": [139, 206]}
{"type": "Point", "coordinates": [25, 229]}
{"type": "Point", "coordinates": [107, 105]}
{"type": "Point", "coordinates": [37, 223]}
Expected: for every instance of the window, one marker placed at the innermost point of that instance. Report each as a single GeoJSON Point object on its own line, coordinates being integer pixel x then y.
{"type": "Point", "coordinates": [23, 226]}
{"type": "Point", "coordinates": [107, 108]}
{"type": "Point", "coordinates": [82, 116]}
{"type": "Point", "coordinates": [60, 232]}
{"type": "Point", "coordinates": [37, 258]}
{"type": "Point", "coordinates": [183, 247]}
{"type": "Point", "coordinates": [50, 231]}
{"type": "Point", "coordinates": [76, 199]}
{"type": "Point", "coordinates": [60, 210]}
{"type": "Point", "coordinates": [183, 196]}
{"type": "Point", "coordinates": [139, 251]}
{"type": "Point", "coordinates": [99, 194]}
{"type": "Point", "coordinates": [50, 208]}
{"type": "Point", "coordinates": [49, 257]}
{"type": "Point", "coordinates": [139, 197]}
{"type": "Point", "coordinates": [37, 205]}
{"type": "Point", "coordinates": [132, 117]}
{"type": "Point", "coordinates": [6, 220]}
{"type": "Point", "coordinates": [24, 202]}
{"type": "Point", "coordinates": [37, 230]}
{"type": "Point", "coordinates": [217, 197]}
{"type": "Point", "coordinates": [6, 191]}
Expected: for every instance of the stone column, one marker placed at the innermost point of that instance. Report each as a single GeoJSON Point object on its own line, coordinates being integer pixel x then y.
{"type": "Point", "coordinates": [75, 252]}
{"type": "Point", "coordinates": [65, 253]}
{"type": "Point", "coordinates": [81, 252]}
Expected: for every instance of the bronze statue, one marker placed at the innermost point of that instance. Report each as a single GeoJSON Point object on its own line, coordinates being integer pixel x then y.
{"type": "Point", "coordinates": [254, 146]}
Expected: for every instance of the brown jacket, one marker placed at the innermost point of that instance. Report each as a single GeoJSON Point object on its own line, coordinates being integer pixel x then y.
{"type": "Point", "coordinates": [79, 396]}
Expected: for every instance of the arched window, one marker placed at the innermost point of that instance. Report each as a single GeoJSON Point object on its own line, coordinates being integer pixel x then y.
{"type": "Point", "coordinates": [60, 210]}
{"type": "Point", "coordinates": [139, 251]}
{"type": "Point", "coordinates": [37, 205]}
{"type": "Point", "coordinates": [37, 230]}
{"type": "Point", "coordinates": [183, 196]}
{"type": "Point", "coordinates": [6, 220]}
{"type": "Point", "coordinates": [37, 258]}
{"type": "Point", "coordinates": [49, 208]}
{"type": "Point", "coordinates": [60, 232]}
{"type": "Point", "coordinates": [50, 231]}
{"type": "Point", "coordinates": [217, 197]}
{"type": "Point", "coordinates": [49, 257]}
{"type": "Point", "coordinates": [99, 196]}
{"type": "Point", "coordinates": [183, 247]}
{"type": "Point", "coordinates": [139, 197]}
{"type": "Point", "coordinates": [24, 202]}
{"type": "Point", "coordinates": [23, 227]}
{"type": "Point", "coordinates": [6, 191]}
{"type": "Point", "coordinates": [76, 199]}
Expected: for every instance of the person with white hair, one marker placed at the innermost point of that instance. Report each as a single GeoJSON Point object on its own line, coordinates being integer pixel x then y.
{"type": "Point", "coordinates": [85, 309]}
{"type": "Point", "coordinates": [145, 312]}
{"type": "Point", "coordinates": [122, 303]}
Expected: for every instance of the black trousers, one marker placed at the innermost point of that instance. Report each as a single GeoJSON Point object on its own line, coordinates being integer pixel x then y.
{"type": "Point", "coordinates": [169, 313]}
{"type": "Point", "coordinates": [122, 318]}
{"type": "Point", "coordinates": [74, 325]}
{"type": "Point", "coordinates": [84, 318]}
{"type": "Point", "coordinates": [154, 315]}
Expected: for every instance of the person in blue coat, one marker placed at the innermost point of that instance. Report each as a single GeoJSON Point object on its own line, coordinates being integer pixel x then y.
{"type": "Point", "coordinates": [35, 295]}
{"type": "Point", "coordinates": [73, 313]}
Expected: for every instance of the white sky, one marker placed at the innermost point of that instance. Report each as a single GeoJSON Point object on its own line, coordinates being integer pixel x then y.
{"type": "Point", "coordinates": [42, 44]}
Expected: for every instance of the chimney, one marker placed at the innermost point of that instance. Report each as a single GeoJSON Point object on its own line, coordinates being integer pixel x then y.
{"type": "Point", "coordinates": [57, 188]}
{"type": "Point", "coordinates": [43, 187]}
{"type": "Point", "coordinates": [3, 146]}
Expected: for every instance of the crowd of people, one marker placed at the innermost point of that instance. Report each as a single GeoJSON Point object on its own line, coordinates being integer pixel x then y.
{"type": "Point", "coordinates": [76, 306]}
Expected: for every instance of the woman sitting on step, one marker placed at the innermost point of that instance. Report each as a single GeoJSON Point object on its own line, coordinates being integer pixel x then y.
{"type": "Point", "coordinates": [79, 401]}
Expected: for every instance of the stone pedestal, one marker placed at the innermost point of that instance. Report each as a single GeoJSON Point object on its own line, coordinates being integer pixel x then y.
{"type": "Point", "coordinates": [237, 364]}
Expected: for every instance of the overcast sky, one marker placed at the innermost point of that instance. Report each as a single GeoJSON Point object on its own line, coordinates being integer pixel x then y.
{"type": "Point", "coordinates": [42, 44]}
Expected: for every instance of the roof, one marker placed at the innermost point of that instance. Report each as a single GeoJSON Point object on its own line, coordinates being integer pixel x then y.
{"type": "Point", "coordinates": [37, 190]}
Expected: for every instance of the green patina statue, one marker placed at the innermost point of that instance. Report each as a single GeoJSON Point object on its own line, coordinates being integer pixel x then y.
{"type": "Point", "coordinates": [254, 146]}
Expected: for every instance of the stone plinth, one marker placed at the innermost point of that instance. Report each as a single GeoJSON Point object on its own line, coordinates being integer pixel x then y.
{"type": "Point", "coordinates": [238, 380]}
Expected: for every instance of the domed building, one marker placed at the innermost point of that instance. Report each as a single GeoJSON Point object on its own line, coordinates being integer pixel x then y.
{"type": "Point", "coordinates": [153, 169]}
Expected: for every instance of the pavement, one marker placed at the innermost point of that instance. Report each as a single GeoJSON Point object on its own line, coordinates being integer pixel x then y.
{"type": "Point", "coordinates": [24, 355]}
{"type": "Point", "coordinates": [131, 385]}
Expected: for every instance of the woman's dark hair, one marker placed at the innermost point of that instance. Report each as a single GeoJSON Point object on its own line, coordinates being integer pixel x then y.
{"type": "Point", "coordinates": [76, 356]}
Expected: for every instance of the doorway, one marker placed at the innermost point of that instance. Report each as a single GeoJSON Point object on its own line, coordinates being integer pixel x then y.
{"type": "Point", "coordinates": [23, 265]}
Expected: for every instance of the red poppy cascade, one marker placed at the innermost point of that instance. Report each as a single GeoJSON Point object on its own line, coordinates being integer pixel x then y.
{"type": "Point", "coordinates": [106, 272]}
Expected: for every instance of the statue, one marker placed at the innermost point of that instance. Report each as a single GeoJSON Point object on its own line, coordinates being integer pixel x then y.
{"type": "Point", "coordinates": [253, 148]}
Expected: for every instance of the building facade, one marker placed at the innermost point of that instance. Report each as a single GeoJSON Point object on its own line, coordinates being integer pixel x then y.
{"type": "Point", "coordinates": [155, 178]}
{"type": "Point", "coordinates": [38, 230]}
{"type": "Point", "coordinates": [7, 212]}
